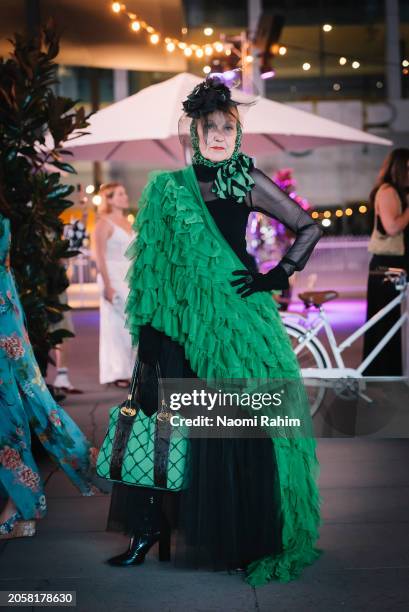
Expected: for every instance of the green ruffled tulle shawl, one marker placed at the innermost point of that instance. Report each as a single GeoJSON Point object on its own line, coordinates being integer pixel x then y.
{"type": "Point", "coordinates": [179, 283]}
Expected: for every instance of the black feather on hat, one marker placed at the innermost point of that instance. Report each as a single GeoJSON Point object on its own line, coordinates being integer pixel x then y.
{"type": "Point", "coordinates": [209, 96]}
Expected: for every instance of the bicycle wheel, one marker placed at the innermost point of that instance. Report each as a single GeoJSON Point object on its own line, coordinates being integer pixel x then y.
{"type": "Point", "coordinates": [310, 356]}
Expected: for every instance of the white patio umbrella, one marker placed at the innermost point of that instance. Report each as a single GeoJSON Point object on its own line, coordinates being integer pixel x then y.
{"type": "Point", "coordinates": [143, 128]}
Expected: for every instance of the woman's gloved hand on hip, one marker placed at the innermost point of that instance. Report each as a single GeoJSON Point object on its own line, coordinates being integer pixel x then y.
{"type": "Point", "coordinates": [251, 282]}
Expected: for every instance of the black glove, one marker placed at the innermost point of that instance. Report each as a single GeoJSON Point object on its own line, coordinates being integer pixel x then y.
{"type": "Point", "coordinates": [251, 282]}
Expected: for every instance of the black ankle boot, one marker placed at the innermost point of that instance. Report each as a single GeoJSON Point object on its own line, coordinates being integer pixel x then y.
{"type": "Point", "coordinates": [140, 545]}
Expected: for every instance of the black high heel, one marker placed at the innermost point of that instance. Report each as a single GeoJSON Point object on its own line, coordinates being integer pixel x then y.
{"type": "Point", "coordinates": [140, 545]}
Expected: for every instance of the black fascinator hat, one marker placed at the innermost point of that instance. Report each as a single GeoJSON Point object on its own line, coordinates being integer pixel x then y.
{"type": "Point", "coordinates": [209, 96]}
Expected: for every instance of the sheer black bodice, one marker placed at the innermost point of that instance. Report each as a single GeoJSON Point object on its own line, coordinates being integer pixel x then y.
{"type": "Point", "coordinates": [265, 197]}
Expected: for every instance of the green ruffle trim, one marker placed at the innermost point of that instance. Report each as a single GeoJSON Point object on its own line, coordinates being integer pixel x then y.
{"type": "Point", "coordinates": [179, 282]}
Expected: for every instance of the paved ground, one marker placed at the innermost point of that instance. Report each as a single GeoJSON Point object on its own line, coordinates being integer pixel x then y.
{"type": "Point", "coordinates": [365, 488]}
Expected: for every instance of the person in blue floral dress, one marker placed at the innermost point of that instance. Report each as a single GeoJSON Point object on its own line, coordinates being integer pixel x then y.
{"type": "Point", "coordinates": [24, 401]}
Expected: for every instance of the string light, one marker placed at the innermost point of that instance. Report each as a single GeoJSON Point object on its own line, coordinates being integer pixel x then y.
{"type": "Point", "coordinates": [326, 214]}
{"type": "Point", "coordinates": [336, 87]}
{"type": "Point", "coordinates": [249, 59]}
{"type": "Point", "coordinates": [198, 50]}
{"type": "Point", "coordinates": [206, 50]}
{"type": "Point", "coordinates": [207, 69]}
{"type": "Point", "coordinates": [405, 63]}
{"type": "Point", "coordinates": [97, 200]}
{"type": "Point", "coordinates": [89, 189]}
{"type": "Point", "coordinates": [326, 222]}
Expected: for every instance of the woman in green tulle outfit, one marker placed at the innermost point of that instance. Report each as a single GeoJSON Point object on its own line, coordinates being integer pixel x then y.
{"type": "Point", "coordinates": [199, 307]}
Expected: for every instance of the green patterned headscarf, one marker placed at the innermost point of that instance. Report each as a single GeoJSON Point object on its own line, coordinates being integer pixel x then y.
{"type": "Point", "coordinates": [233, 177]}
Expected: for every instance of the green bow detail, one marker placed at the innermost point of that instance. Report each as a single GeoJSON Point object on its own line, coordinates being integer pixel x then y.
{"type": "Point", "coordinates": [233, 177]}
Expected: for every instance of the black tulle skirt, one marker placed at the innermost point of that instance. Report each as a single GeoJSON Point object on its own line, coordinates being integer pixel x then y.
{"type": "Point", "coordinates": [230, 513]}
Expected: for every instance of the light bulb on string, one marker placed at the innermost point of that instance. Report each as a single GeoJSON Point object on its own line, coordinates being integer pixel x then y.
{"type": "Point", "coordinates": [405, 63]}
{"type": "Point", "coordinates": [227, 51]}
{"type": "Point", "coordinates": [135, 26]}
{"type": "Point", "coordinates": [342, 61]}
{"type": "Point", "coordinates": [170, 47]}
{"type": "Point", "coordinates": [282, 50]}
{"type": "Point", "coordinates": [116, 7]}
{"type": "Point", "coordinates": [188, 51]}
{"type": "Point", "coordinates": [154, 39]}
{"type": "Point", "coordinates": [208, 31]}
{"type": "Point", "coordinates": [218, 47]}
{"type": "Point", "coordinates": [199, 53]}
{"type": "Point", "coordinates": [355, 65]}
{"type": "Point", "coordinates": [306, 66]}
{"type": "Point", "coordinates": [207, 69]}
{"type": "Point", "coordinates": [208, 50]}
{"type": "Point", "coordinates": [327, 27]}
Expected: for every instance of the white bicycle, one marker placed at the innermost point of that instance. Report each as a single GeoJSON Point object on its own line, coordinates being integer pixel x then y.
{"type": "Point", "coordinates": [315, 362]}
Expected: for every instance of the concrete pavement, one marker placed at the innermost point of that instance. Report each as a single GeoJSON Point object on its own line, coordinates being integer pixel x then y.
{"type": "Point", "coordinates": [365, 488]}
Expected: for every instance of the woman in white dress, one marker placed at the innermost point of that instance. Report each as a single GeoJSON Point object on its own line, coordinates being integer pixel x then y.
{"type": "Point", "coordinates": [113, 234]}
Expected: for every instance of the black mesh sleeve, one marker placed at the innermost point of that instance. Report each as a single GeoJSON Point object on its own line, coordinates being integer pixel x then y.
{"type": "Point", "coordinates": [269, 199]}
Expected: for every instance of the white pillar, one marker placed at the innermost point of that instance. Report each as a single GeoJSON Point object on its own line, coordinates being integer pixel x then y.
{"type": "Point", "coordinates": [252, 72]}
{"type": "Point", "coordinates": [392, 50]}
{"type": "Point", "coordinates": [121, 88]}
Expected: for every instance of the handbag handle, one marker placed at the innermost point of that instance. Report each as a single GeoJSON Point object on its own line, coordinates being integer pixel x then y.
{"type": "Point", "coordinates": [128, 409]}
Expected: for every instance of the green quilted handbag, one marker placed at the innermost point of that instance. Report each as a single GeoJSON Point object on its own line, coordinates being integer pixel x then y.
{"type": "Point", "coordinates": [140, 450]}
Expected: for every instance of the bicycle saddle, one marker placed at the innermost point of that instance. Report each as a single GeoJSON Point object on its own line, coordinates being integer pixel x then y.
{"type": "Point", "coordinates": [316, 298]}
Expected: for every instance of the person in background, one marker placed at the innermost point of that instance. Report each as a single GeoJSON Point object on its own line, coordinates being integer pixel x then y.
{"type": "Point", "coordinates": [112, 236]}
{"type": "Point", "coordinates": [24, 401]}
{"type": "Point", "coordinates": [389, 199]}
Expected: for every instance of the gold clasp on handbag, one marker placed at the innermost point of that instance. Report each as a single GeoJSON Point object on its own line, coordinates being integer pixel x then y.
{"type": "Point", "coordinates": [128, 410]}
{"type": "Point", "coordinates": [163, 415]}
